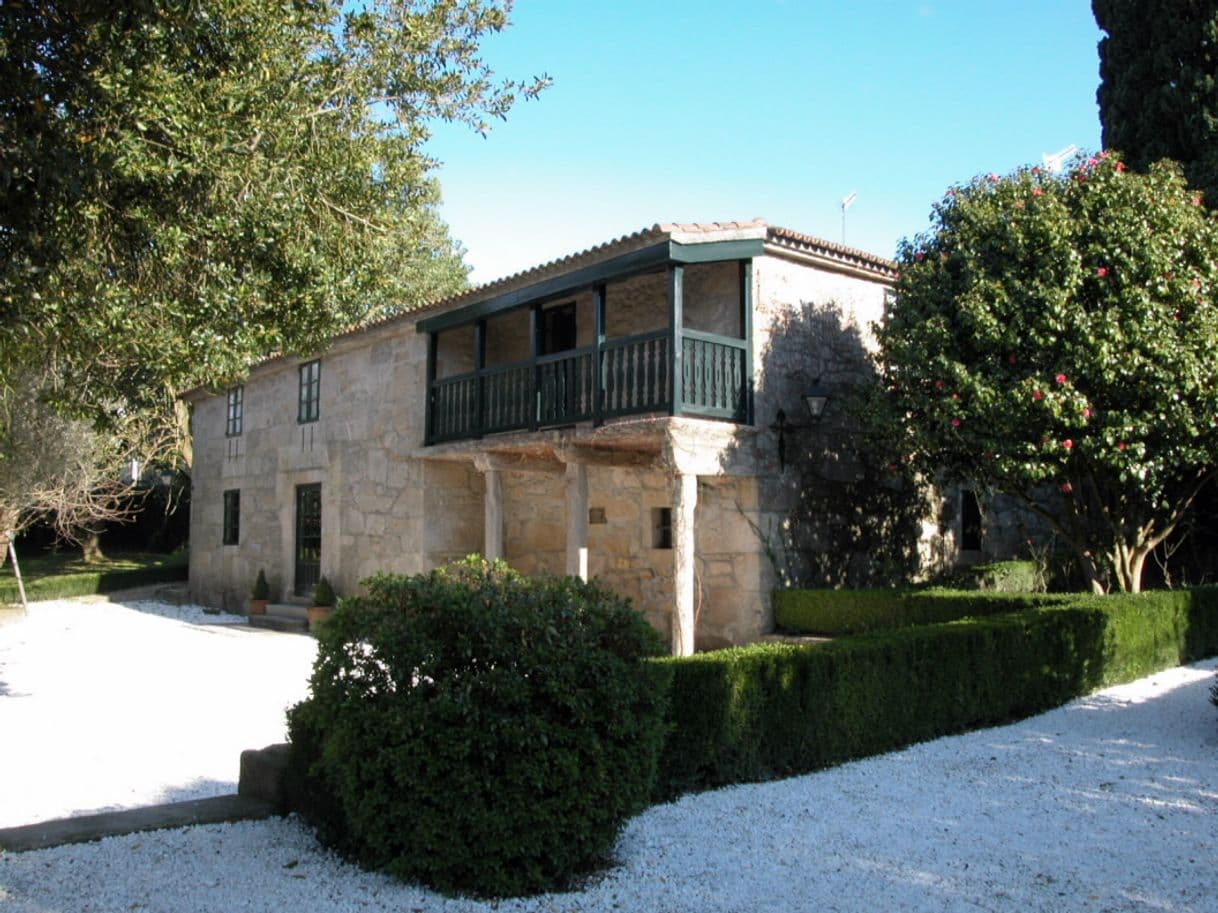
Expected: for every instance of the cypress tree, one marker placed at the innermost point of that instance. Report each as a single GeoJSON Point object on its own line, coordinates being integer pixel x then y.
{"type": "Point", "coordinates": [1158, 93]}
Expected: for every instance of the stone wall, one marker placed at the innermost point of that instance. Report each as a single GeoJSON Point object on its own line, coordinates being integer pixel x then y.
{"type": "Point", "coordinates": [389, 504]}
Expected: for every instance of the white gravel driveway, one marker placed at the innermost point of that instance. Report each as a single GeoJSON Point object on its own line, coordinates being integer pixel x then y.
{"type": "Point", "coordinates": [1107, 804]}
{"type": "Point", "coordinates": [106, 706]}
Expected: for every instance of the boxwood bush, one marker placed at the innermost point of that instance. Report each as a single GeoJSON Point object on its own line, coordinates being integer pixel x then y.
{"type": "Point", "coordinates": [479, 731]}
{"type": "Point", "coordinates": [762, 711]}
{"type": "Point", "coordinates": [832, 613]}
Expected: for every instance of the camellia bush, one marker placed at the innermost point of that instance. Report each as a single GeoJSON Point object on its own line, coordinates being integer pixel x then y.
{"type": "Point", "coordinates": [480, 731]}
{"type": "Point", "coordinates": [1055, 338]}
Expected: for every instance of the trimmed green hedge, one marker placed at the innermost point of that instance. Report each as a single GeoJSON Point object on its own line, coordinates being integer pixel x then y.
{"type": "Point", "coordinates": [753, 713]}
{"type": "Point", "coordinates": [833, 613]}
{"type": "Point", "coordinates": [88, 583]}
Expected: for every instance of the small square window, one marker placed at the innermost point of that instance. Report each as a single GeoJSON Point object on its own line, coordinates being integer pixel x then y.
{"type": "Point", "coordinates": [310, 393]}
{"type": "Point", "coordinates": [661, 527]}
{"type": "Point", "coordinates": [232, 516]}
{"type": "Point", "coordinates": [236, 412]}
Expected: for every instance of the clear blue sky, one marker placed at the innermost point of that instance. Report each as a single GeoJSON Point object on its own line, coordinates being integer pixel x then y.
{"type": "Point", "coordinates": [708, 110]}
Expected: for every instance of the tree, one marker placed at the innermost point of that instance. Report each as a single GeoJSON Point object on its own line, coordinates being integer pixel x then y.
{"type": "Point", "coordinates": [1056, 339]}
{"type": "Point", "coordinates": [186, 187]}
{"type": "Point", "coordinates": [1158, 94]}
{"type": "Point", "coordinates": [56, 468]}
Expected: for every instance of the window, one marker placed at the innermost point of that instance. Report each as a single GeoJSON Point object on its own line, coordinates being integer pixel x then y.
{"type": "Point", "coordinates": [970, 521]}
{"type": "Point", "coordinates": [558, 328]}
{"type": "Point", "coordinates": [236, 412]}
{"type": "Point", "coordinates": [310, 392]}
{"type": "Point", "coordinates": [661, 527]}
{"type": "Point", "coordinates": [232, 516]}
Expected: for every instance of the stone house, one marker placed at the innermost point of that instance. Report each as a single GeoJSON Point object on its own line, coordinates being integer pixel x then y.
{"type": "Point", "coordinates": [624, 413]}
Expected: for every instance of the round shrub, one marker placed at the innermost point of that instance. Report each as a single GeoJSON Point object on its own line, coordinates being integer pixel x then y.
{"type": "Point", "coordinates": [480, 731]}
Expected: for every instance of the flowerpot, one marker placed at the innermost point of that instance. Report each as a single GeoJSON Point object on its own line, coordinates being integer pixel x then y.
{"type": "Point", "coordinates": [318, 615]}
{"type": "Point", "coordinates": [258, 606]}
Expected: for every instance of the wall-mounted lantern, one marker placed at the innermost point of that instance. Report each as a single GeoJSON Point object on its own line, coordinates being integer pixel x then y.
{"type": "Point", "coordinates": [815, 399]}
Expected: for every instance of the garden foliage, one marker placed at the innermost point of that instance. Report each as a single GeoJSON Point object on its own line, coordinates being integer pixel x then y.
{"type": "Point", "coordinates": [833, 613]}
{"type": "Point", "coordinates": [1055, 338]}
{"type": "Point", "coordinates": [762, 711]}
{"type": "Point", "coordinates": [479, 731]}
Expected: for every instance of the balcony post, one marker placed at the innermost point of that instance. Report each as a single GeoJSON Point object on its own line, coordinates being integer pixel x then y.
{"type": "Point", "coordinates": [598, 345]}
{"type": "Point", "coordinates": [430, 390]}
{"type": "Point", "coordinates": [577, 520]}
{"type": "Point", "coordinates": [746, 329]}
{"type": "Point", "coordinates": [676, 317]}
{"type": "Point", "coordinates": [684, 501]}
{"type": "Point", "coordinates": [480, 380]}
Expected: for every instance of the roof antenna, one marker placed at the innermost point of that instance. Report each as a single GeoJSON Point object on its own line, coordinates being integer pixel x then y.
{"type": "Point", "coordinates": [847, 202]}
{"type": "Point", "coordinates": [1055, 162]}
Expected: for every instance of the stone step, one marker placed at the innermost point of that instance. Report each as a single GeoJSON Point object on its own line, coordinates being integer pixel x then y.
{"type": "Point", "coordinates": [174, 593]}
{"type": "Point", "coordinates": [289, 610]}
{"type": "Point", "coordinates": [288, 624]}
{"type": "Point", "coordinates": [111, 824]}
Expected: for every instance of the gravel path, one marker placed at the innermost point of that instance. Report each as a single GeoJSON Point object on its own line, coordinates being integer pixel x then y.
{"type": "Point", "coordinates": [1107, 804]}
{"type": "Point", "coordinates": [106, 706]}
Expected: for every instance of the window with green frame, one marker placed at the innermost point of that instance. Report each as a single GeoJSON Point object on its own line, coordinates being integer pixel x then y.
{"type": "Point", "coordinates": [235, 420]}
{"type": "Point", "coordinates": [232, 517]}
{"type": "Point", "coordinates": [309, 408]}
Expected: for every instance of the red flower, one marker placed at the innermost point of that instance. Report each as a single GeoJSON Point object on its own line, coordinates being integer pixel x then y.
{"type": "Point", "coordinates": [919, 256]}
{"type": "Point", "coordinates": [1087, 413]}
{"type": "Point", "coordinates": [956, 423]}
{"type": "Point", "coordinates": [939, 385]}
{"type": "Point", "coordinates": [1197, 200]}
{"type": "Point", "coordinates": [1011, 359]}
{"type": "Point", "coordinates": [1119, 167]}
{"type": "Point", "coordinates": [1038, 395]}
{"type": "Point", "coordinates": [989, 454]}
{"type": "Point", "coordinates": [1121, 446]}
{"type": "Point", "coordinates": [1067, 488]}
{"type": "Point", "coordinates": [1102, 271]}
{"type": "Point", "coordinates": [1061, 378]}
{"type": "Point", "coordinates": [1068, 444]}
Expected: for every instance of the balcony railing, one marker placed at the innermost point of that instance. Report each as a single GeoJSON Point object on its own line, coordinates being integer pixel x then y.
{"type": "Point", "coordinates": [635, 377]}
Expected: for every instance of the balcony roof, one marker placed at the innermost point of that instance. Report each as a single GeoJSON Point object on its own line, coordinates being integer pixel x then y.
{"type": "Point", "coordinates": [637, 252]}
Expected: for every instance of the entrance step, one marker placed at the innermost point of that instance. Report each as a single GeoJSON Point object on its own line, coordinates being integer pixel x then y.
{"type": "Point", "coordinates": [174, 593]}
{"type": "Point", "coordinates": [290, 609]}
{"type": "Point", "coordinates": [271, 621]}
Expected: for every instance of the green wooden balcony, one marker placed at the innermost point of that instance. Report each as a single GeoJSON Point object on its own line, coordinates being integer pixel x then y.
{"type": "Point", "coordinates": [634, 375]}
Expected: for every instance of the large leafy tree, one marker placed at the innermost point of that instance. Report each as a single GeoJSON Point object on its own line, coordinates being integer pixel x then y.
{"type": "Point", "coordinates": [189, 185]}
{"type": "Point", "coordinates": [1056, 338]}
{"type": "Point", "coordinates": [1158, 94]}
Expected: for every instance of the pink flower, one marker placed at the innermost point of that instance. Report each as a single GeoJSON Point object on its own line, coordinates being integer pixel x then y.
{"type": "Point", "coordinates": [1087, 413]}
{"type": "Point", "coordinates": [1038, 191]}
{"type": "Point", "coordinates": [1196, 283]}
{"type": "Point", "coordinates": [993, 177]}
{"type": "Point", "coordinates": [1068, 444]}
{"type": "Point", "coordinates": [1122, 445]}
{"type": "Point", "coordinates": [1036, 169]}
{"type": "Point", "coordinates": [1092, 162]}
{"type": "Point", "coordinates": [1119, 167]}
{"type": "Point", "coordinates": [955, 396]}
{"type": "Point", "coordinates": [1105, 154]}
{"type": "Point", "coordinates": [956, 423]}
{"type": "Point", "coordinates": [1067, 488]}
{"type": "Point", "coordinates": [1102, 271]}
{"type": "Point", "coordinates": [939, 385]}
{"type": "Point", "coordinates": [1197, 200]}
{"type": "Point", "coordinates": [1061, 378]}
{"type": "Point", "coordinates": [1038, 395]}
{"type": "Point", "coordinates": [919, 256]}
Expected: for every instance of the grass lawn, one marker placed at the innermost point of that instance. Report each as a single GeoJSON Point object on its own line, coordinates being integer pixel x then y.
{"type": "Point", "coordinates": [54, 576]}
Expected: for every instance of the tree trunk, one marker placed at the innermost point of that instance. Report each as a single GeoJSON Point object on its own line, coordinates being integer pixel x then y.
{"type": "Point", "coordinates": [90, 546]}
{"type": "Point", "coordinates": [1129, 562]}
